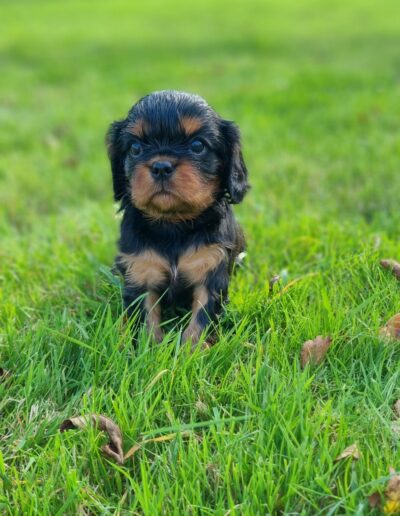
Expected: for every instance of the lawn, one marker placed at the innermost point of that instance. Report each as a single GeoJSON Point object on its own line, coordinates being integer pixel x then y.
{"type": "Point", "coordinates": [315, 89]}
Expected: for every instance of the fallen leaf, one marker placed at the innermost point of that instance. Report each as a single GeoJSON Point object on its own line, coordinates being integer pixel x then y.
{"type": "Point", "coordinates": [391, 330]}
{"type": "Point", "coordinates": [392, 265]}
{"type": "Point", "coordinates": [392, 493]}
{"type": "Point", "coordinates": [114, 447]}
{"type": "Point", "coordinates": [391, 507]}
{"type": "Point", "coordinates": [351, 451]}
{"type": "Point", "coordinates": [391, 498]}
{"type": "Point", "coordinates": [375, 500]}
{"type": "Point", "coordinates": [396, 408]}
{"type": "Point", "coordinates": [314, 351]}
{"type": "Point", "coordinates": [272, 281]}
{"type": "Point", "coordinates": [393, 487]}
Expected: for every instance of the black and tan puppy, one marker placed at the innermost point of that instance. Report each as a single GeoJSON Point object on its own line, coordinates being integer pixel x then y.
{"type": "Point", "coordinates": [177, 166]}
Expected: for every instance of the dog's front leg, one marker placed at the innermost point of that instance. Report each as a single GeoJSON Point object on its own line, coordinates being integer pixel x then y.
{"type": "Point", "coordinates": [207, 301]}
{"type": "Point", "coordinates": [144, 273]}
{"type": "Point", "coordinates": [148, 304]}
{"type": "Point", "coordinates": [152, 314]}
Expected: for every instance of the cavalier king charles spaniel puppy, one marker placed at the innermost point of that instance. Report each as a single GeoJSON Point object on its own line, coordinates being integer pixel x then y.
{"type": "Point", "coordinates": [177, 167]}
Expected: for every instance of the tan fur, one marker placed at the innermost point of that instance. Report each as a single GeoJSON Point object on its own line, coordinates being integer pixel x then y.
{"type": "Point", "coordinates": [147, 269]}
{"type": "Point", "coordinates": [193, 188]}
{"type": "Point", "coordinates": [189, 193]}
{"type": "Point", "coordinates": [196, 264]}
{"type": "Point", "coordinates": [153, 319]}
{"type": "Point", "coordinates": [138, 128]}
{"type": "Point", "coordinates": [142, 186]}
{"type": "Point", "coordinates": [193, 331]}
{"type": "Point", "coordinates": [190, 124]}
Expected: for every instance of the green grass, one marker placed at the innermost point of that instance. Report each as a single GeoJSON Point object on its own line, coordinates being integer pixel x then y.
{"type": "Point", "coordinates": [315, 88]}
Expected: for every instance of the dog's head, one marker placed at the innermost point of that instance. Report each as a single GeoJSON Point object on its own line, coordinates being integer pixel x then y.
{"type": "Point", "coordinates": [173, 157]}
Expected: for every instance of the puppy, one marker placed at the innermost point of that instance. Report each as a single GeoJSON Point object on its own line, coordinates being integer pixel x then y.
{"type": "Point", "coordinates": [177, 167]}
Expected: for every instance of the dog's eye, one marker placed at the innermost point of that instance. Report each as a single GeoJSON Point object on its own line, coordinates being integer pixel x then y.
{"type": "Point", "coordinates": [197, 146]}
{"type": "Point", "coordinates": [136, 149]}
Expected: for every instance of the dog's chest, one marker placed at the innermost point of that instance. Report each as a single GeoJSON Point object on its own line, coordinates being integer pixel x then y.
{"type": "Point", "coordinates": [151, 270]}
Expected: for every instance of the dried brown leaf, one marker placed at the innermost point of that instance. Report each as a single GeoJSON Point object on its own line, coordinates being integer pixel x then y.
{"type": "Point", "coordinates": [351, 451]}
{"type": "Point", "coordinates": [114, 448]}
{"type": "Point", "coordinates": [391, 330]}
{"type": "Point", "coordinates": [314, 351]}
{"type": "Point", "coordinates": [393, 486]}
{"type": "Point", "coordinates": [375, 500]}
{"type": "Point", "coordinates": [396, 408]}
{"type": "Point", "coordinates": [392, 265]}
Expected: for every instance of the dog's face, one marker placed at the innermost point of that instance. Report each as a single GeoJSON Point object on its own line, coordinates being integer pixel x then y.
{"type": "Point", "coordinates": [173, 157]}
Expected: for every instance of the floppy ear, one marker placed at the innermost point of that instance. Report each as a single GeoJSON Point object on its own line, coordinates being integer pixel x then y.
{"type": "Point", "coordinates": [116, 154]}
{"type": "Point", "coordinates": [234, 169]}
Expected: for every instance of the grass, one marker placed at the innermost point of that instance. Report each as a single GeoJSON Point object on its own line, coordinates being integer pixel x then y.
{"type": "Point", "coordinates": [315, 89]}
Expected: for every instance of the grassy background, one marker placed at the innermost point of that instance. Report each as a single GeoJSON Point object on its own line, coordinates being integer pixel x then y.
{"type": "Point", "coordinates": [315, 88]}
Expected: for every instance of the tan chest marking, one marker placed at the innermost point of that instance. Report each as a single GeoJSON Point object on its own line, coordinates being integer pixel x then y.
{"type": "Point", "coordinates": [147, 269]}
{"type": "Point", "coordinates": [196, 264]}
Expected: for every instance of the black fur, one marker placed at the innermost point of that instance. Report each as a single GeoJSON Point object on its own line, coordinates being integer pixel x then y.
{"type": "Point", "coordinates": [215, 225]}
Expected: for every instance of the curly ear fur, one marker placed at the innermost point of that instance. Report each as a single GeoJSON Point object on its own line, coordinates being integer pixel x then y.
{"type": "Point", "coordinates": [116, 155]}
{"type": "Point", "coordinates": [234, 168]}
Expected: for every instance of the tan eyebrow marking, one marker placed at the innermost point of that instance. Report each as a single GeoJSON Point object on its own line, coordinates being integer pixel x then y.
{"type": "Point", "coordinates": [138, 128]}
{"type": "Point", "coordinates": [190, 124]}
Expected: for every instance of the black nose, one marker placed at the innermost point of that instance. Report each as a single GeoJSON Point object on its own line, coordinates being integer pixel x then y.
{"type": "Point", "coordinates": [161, 169]}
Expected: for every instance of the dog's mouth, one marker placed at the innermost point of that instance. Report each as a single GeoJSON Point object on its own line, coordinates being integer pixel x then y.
{"type": "Point", "coordinates": [165, 199]}
{"type": "Point", "coordinates": [166, 204]}
{"type": "Point", "coordinates": [163, 191]}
